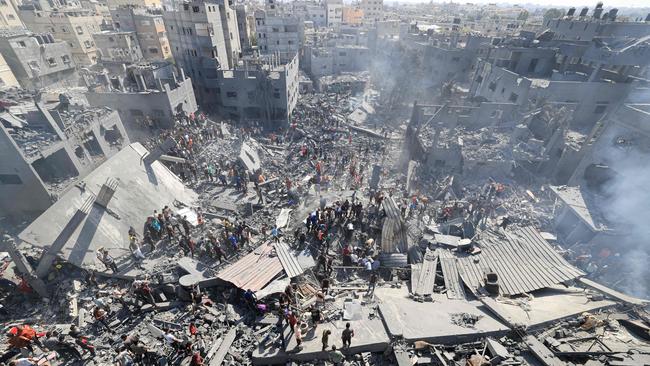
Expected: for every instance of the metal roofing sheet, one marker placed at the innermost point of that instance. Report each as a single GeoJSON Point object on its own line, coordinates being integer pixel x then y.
{"type": "Point", "coordinates": [448, 263]}
{"type": "Point", "coordinates": [254, 270]}
{"type": "Point", "coordinates": [523, 261]}
{"type": "Point", "coordinates": [288, 260]}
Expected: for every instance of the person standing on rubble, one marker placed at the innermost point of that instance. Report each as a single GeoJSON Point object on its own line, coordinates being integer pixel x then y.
{"type": "Point", "coordinates": [186, 225]}
{"type": "Point", "coordinates": [107, 259]}
{"type": "Point", "coordinates": [347, 335]}
{"type": "Point", "coordinates": [100, 316]}
{"type": "Point", "coordinates": [81, 340]}
{"type": "Point", "coordinates": [275, 234]}
{"type": "Point", "coordinates": [298, 333]}
{"type": "Point", "coordinates": [325, 338]}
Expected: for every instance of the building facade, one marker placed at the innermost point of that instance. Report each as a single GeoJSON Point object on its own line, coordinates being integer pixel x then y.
{"type": "Point", "coordinates": [37, 60]}
{"type": "Point", "coordinates": [204, 37]}
{"type": "Point", "coordinates": [115, 46]}
{"type": "Point", "coordinates": [262, 91]}
{"type": "Point", "coordinates": [147, 98]}
{"type": "Point", "coordinates": [278, 34]}
{"type": "Point", "coordinates": [45, 150]}
{"type": "Point", "coordinates": [7, 77]}
{"type": "Point", "coordinates": [373, 11]}
{"type": "Point", "coordinates": [74, 26]}
{"type": "Point", "coordinates": [9, 18]}
{"type": "Point", "coordinates": [149, 28]}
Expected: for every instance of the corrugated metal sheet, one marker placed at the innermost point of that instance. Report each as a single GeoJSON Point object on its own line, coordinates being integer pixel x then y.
{"type": "Point", "coordinates": [254, 270]}
{"type": "Point", "coordinates": [394, 232]}
{"type": "Point", "coordinates": [454, 286]}
{"type": "Point", "coordinates": [523, 261]}
{"type": "Point", "coordinates": [427, 277]}
{"type": "Point", "coordinates": [393, 260]}
{"type": "Point", "coordinates": [288, 260]}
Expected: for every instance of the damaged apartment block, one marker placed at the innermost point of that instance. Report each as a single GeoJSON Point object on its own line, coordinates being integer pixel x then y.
{"type": "Point", "coordinates": [50, 146]}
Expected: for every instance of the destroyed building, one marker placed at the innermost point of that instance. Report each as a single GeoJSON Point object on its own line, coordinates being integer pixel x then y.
{"type": "Point", "coordinates": [72, 25]}
{"type": "Point", "coordinates": [46, 148]}
{"type": "Point", "coordinates": [278, 31]}
{"type": "Point", "coordinates": [148, 96]}
{"type": "Point", "coordinates": [204, 38]}
{"type": "Point", "coordinates": [118, 47]}
{"type": "Point", "coordinates": [37, 60]}
{"type": "Point", "coordinates": [149, 27]}
{"type": "Point", "coordinates": [435, 195]}
{"type": "Point", "coordinates": [262, 89]}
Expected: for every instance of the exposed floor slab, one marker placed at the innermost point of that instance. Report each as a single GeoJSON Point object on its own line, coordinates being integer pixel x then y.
{"type": "Point", "coordinates": [432, 321]}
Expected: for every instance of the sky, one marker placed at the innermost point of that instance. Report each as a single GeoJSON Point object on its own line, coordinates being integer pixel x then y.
{"type": "Point", "coordinates": [579, 3]}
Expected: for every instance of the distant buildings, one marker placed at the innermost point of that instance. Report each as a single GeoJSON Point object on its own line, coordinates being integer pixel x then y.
{"type": "Point", "coordinates": [7, 77]}
{"type": "Point", "coordinates": [352, 16]}
{"type": "Point", "coordinates": [149, 28]}
{"type": "Point", "coordinates": [373, 11]}
{"type": "Point", "coordinates": [74, 26]}
{"type": "Point", "coordinates": [277, 32]}
{"type": "Point", "coordinates": [334, 13]}
{"type": "Point", "coordinates": [116, 46]}
{"type": "Point", "coordinates": [37, 60]}
{"type": "Point", "coordinates": [9, 18]}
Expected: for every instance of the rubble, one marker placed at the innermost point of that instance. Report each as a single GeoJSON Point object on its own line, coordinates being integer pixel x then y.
{"type": "Point", "coordinates": [362, 230]}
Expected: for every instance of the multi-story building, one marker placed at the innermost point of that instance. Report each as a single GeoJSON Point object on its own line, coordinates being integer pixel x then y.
{"type": "Point", "coordinates": [116, 46]}
{"type": "Point", "coordinates": [262, 90]}
{"type": "Point", "coordinates": [9, 18]}
{"type": "Point", "coordinates": [149, 27]}
{"type": "Point", "coordinates": [310, 11]}
{"type": "Point", "coordinates": [7, 77]}
{"type": "Point", "coordinates": [373, 11]}
{"type": "Point", "coordinates": [45, 149]}
{"type": "Point", "coordinates": [148, 97]}
{"type": "Point", "coordinates": [352, 15]}
{"type": "Point", "coordinates": [204, 37]}
{"type": "Point", "coordinates": [74, 26]}
{"type": "Point", "coordinates": [244, 26]}
{"type": "Point", "coordinates": [278, 33]}
{"type": "Point", "coordinates": [37, 60]}
{"type": "Point", "coordinates": [334, 13]}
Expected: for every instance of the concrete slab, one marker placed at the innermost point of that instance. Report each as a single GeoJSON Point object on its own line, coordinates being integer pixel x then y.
{"type": "Point", "coordinates": [369, 336]}
{"type": "Point", "coordinates": [142, 189]}
{"type": "Point", "coordinates": [545, 306]}
{"type": "Point", "coordinates": [432, 321]}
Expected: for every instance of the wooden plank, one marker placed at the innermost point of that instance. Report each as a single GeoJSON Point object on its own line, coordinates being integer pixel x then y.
{"type": "Point", "coordinates": [542, 353]}
{"type": "Point", "coordinates": [224, 347]}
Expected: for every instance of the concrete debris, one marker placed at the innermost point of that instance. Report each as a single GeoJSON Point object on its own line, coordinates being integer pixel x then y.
{"type": "Point", "coordinates": [347, 225]}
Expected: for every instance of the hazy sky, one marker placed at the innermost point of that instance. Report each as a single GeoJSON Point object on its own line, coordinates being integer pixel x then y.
{"type": "Point", "coordinates": [591, 4]}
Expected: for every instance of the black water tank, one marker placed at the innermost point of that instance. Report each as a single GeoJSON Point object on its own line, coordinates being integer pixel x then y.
{"type": "Point", "coordinates": [598, 12]}
{"type": "Point", "coordinates": [612, 14]}
{"type": "Point", "coordinates": [571, 12]}
{"type": "Point", "coordinates": [584, 11]}
{"type": "Point", "coordinates": [647, 18]}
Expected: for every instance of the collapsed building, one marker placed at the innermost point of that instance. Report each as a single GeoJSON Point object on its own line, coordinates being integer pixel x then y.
{"type": "Point", "coordinates": [37, 60]}
{"type": "Point", "coordinates": [46, 148]}
{"type": "Point", "coordinates": [148, 96]}
{"type": "Point", "coordinates": [475, 228]}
